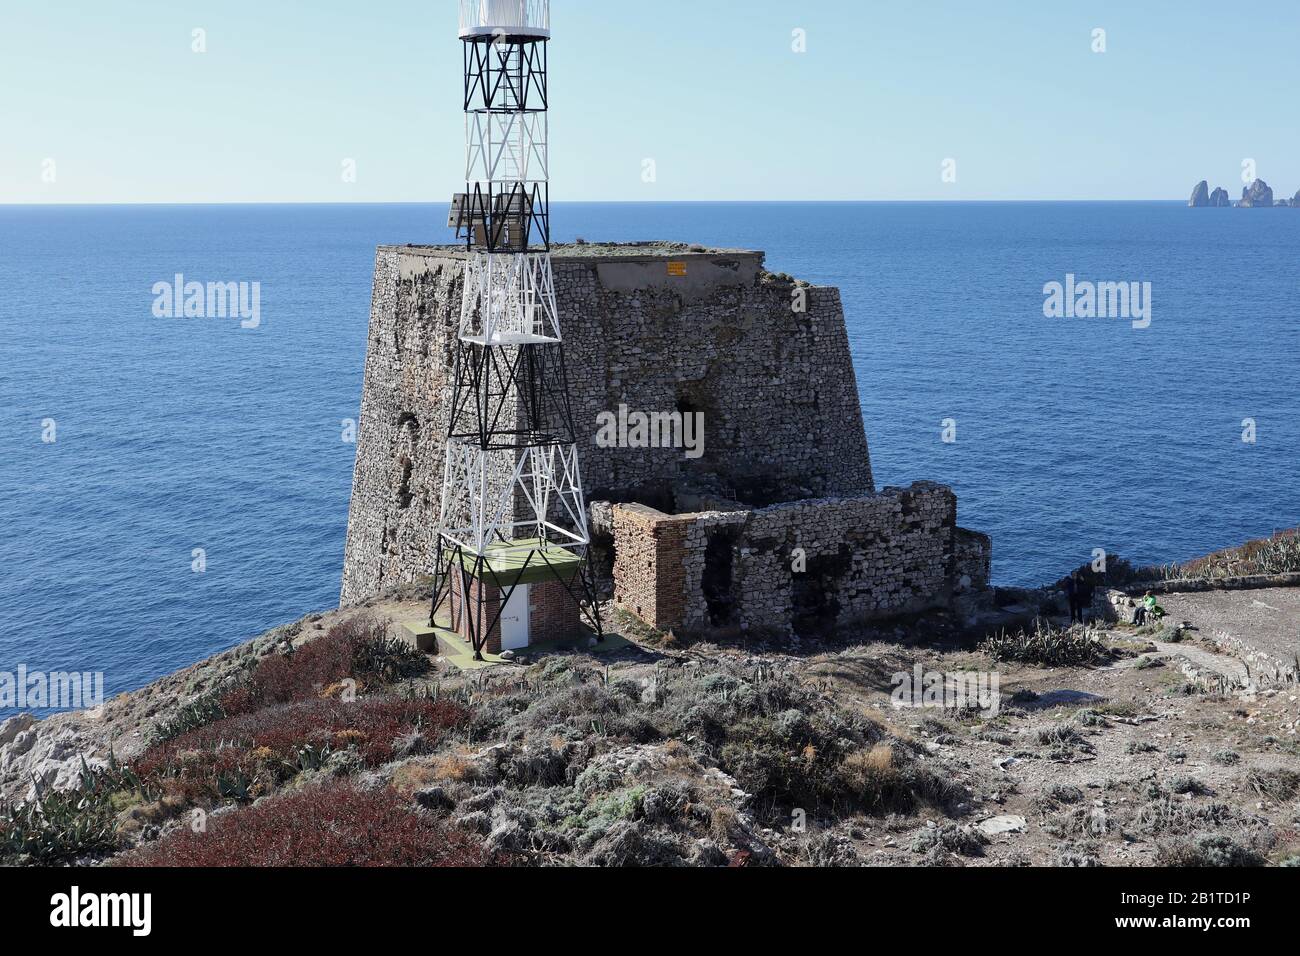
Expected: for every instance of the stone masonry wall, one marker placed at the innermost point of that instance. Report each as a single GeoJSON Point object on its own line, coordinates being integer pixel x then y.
{"type": "Point", "coordinates": [397, 482]}
{"type": "Point", "coordinates": [867, 558]}
{"type": "Point", "coordinates": [657, 328]}
{"type": "Point", "coordinates": [973, 570]}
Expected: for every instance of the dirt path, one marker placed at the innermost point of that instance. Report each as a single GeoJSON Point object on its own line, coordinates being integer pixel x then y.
{"type": "Point", "coordinates": [1200, 663]}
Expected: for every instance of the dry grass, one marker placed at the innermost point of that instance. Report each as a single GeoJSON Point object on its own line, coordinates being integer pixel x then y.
{"type": "Point", "coordinates": [453, 768]}
{"type": "Point", "coordinates": [870, 771]}
{"type": "Point", "coordinates": [722, 821]}
{"type": "Point", "coordinates": [680, 761]}
{"type": "Point", "coordinates": [416, 775]}
{"type": "Point", "coordinates": [413, 777]}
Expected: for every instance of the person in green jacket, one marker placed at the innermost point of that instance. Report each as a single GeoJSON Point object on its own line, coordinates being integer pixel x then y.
{"type": "Point", "coordinates": [1149, 611]}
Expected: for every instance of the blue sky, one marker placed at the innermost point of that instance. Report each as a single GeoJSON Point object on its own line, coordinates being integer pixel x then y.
{"type": "Point", "coordinates": [112, 93]}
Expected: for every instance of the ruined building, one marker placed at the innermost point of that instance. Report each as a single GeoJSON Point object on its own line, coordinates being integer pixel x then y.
{"type": "Point", "coordinates": [775, 523]}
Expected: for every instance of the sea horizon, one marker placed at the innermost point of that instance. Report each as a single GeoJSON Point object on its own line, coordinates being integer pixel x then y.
{"type": "Point", "coordinates": [607, 202]}
{"type": "Point", "coordinates": [1132, 438]}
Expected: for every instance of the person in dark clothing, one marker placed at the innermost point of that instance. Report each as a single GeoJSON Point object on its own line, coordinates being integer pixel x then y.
{"type": "Point", "coordinates": [1072, 588]}
{"type": "Point", "coordinates": [1087, 591]}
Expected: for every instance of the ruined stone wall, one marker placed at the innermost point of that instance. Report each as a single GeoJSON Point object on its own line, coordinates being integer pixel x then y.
{"type": "Point", "coordinates": [656, 328]}
{"type": "Point", "coordinates": [973, 557]}
{"type": "Point", "coordinates": [865, 558]}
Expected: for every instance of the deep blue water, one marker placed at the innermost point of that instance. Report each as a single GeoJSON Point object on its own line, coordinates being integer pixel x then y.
{"type": "Point", "coordinates": [174, 434]}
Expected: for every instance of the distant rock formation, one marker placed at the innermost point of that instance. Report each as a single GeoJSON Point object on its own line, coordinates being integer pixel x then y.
{"type": "Point", "coordinates": [1258, 195]}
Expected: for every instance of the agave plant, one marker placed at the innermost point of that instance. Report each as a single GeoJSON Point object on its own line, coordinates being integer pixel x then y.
{"type": "Point", "coordinates": [235, 785]}
{"type": "Point", "coordinates": [1075, 647]}
{"type": "Point", "coordinates": [310, 758]}
{"type": "Point", "coordinates": [198, 713]}
{"type": "Point", "coordinates": [58, 826]}
{"type": "Point", "coordinates": [389, 660]}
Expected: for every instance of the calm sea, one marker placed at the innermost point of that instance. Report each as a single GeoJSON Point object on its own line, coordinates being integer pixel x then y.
{"type": "Point", "coordinates": [178, 441]}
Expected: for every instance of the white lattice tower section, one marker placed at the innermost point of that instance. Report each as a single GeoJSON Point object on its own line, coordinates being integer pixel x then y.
{"type": "Point", "coordinates": [483, 492]}
{"type": "Point", "coordinates": [509, 300]}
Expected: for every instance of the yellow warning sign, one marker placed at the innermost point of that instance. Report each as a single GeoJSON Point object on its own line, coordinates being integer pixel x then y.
{"type": "Point", "coordinates": [677, 268]}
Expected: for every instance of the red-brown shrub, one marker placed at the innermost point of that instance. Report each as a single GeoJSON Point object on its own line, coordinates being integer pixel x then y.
{"type": "Point", "coordinates": [188, 765]}
{"type": "Point", "coordinates": [336, 825]}
{"type": "Point", "coordinates": [312, 668]}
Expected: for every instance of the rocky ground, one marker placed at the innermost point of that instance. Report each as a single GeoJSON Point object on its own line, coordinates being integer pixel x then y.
{"type": "Point", "coordinates": [1163, 752]}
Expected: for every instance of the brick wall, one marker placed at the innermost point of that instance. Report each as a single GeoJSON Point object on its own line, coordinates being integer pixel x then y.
{"type": "Point", "coordinates": [649, 564]}
{"type": "Point", "coordinates": [553, 614]}
{"type": "Point", "coordinates": [483, 606]}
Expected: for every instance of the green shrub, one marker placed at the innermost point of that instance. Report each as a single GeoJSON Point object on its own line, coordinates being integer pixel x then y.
{"type": "Point", "coordinates": [1182, 785]}
{"type": "Point", "coordinates": [1061, 793]}
{"type": "Point", "coordinates": [962, 840]}
{"type": "Point", "coordinates": [1060, 735]}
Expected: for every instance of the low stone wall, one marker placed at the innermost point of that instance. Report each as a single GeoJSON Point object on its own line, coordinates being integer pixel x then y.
{"type": "Point", "coordinates": [1113, 606]}
{"type": "Point", "coordinates": [1117, 604]}
{"type": "Point", "coordinates": [799, 566]}
{"type": "Point", "coordinates": [1254, 582]}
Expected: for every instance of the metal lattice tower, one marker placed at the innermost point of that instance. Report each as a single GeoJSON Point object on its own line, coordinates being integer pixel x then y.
{"type": "Point", "coordinates": [512, 499]}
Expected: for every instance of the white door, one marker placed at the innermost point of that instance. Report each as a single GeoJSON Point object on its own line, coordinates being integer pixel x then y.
{"type": "Point", "coordinates": [514, 621]}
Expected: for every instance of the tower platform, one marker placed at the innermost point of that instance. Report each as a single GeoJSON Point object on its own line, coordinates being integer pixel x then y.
{"type": "Point", "coordinates": [512, 563]}
{"type": "Point", "coordinates": [441, 640]}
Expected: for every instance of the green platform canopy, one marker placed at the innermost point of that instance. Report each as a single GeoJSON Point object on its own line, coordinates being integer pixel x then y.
{"type": "Point", "coordinates": [528, 561]}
